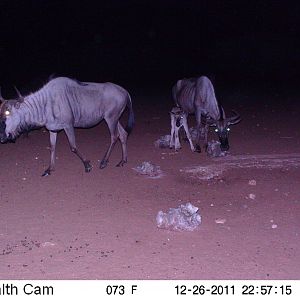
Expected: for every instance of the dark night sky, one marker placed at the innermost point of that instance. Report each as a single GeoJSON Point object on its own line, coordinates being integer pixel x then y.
{"type": "Point", "coordinates": [143, 42]}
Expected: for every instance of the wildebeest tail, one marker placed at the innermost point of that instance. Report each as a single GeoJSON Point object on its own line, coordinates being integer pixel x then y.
{"type": "Point", "coordinates": [130, 122]}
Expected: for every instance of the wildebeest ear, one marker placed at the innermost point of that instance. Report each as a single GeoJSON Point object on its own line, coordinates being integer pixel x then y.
{"type": "Point", "coordinates": [211, 122]}
{"type": "Point", "coordinates": [17, 104]}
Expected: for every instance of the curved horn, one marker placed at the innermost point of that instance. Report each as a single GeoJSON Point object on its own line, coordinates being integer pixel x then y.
{"type": "Point", "coordinates": [1, 98]}
{"type": "Point", "coordinates": [236, 118]}
{"type": "Point", "coordinates": [223, 113]}
{"type": "Point", "coordinates": [20, 97]}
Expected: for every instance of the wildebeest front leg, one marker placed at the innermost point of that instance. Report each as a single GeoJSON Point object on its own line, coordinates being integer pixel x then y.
{"type": "Point", "coordinates": [198, 126]}
{"type": "Point", "coordinates": [188, 135]}
{"type": "Point", "coordinates": [173, 121]}
{"type": "Point", "coordinates": [71, 137]}
{"type": "Point", "coordinates": [205, 129]}
{"type": "Point", "coordinates": [177, 141]}
{"type": "Point", "coordinates": [51, 168]}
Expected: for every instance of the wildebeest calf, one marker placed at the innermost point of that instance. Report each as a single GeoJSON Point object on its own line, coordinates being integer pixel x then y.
{"type": "Point", "coordinates": [178, 120]}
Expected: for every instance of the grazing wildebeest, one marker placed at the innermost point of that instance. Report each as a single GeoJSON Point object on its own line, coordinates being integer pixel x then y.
{"type": "Point", "coordinates": [197, 96]}
{"type": "Point", "coordinates": [63, 104]}
{"type": "Point", "coordinates": [178, 120]}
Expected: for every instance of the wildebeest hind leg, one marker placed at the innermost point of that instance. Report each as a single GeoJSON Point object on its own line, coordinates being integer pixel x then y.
{"type": "Point", "coordinates": [113, 138]}
{"type": "Point", "coordinates": [198, 126]}
{"type": "Point", "coordinates": [123, 138]}
{"type": "Point", "coordinates": [71, 137]}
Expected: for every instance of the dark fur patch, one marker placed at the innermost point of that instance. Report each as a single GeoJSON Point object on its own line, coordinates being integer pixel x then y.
{"type": "Point", "coordinates": [2, 127]}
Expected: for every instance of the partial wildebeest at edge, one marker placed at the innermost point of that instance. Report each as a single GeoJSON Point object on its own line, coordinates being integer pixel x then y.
{"type": "Point", "coordinates": [197, 96]}
{"type": "Point", "coordinates": [178, 120]}
{"type": "Point", "coordinates": [63, 104]}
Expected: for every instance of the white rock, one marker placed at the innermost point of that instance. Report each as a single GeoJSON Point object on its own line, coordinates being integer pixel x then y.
{"type": "Point", "coordinates": [48, 244]}
{"type": "Point", "coordinates": [252, 196]}
{"type": "Point", "coordinates": [220, 221]}
{"type": "Point", "coordinates": [252, 182]}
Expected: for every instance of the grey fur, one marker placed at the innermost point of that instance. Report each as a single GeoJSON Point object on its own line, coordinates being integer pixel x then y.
{"type": "Point", "coordinates": [63, 104]}
{"type": "Point", "coordinates": [197, 96]}
{"type": "Point", "coordinates": [178, 120]}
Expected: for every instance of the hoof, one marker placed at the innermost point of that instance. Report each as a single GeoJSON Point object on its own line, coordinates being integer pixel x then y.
{"type": "Point", "coordinates": [197, 149]}
{"type": "Point", "coordinates": [46, 173]}
{"type": "Point", "coordinates": [103, 164]}
{"type": "Point", "coordinates": [121, 163]}
{"type": "Point", "coordinates": [87, 166]}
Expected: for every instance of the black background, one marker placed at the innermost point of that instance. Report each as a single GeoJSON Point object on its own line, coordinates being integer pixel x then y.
{"type": "Point", "coordinates": [150, 43]}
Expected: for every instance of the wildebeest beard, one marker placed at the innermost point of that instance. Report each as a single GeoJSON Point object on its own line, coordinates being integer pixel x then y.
{"type": "Point", "coordinates": [11, 138]}
{"type": "Point", "coordinates": [2, 131]}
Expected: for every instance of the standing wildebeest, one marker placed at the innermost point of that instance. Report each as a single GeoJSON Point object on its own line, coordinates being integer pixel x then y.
{"type": "Point", "coordinates": [178, 120]}
{"type": "Point", "coordinates": [63, 104]}
{"type": "Point", "coordinates": [197, 96]}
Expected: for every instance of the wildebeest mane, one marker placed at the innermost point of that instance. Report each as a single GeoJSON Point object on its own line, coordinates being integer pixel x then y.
{"type": "Point", "coordinates": [53, 76]}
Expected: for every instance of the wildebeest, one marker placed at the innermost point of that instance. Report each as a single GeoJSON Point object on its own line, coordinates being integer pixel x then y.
{"type": "Point", "coordinates": [178, 120]}
{"type": "Point", "coordinates": [197, 96]}
{"type": "Point", "coordinates": [63, 104]}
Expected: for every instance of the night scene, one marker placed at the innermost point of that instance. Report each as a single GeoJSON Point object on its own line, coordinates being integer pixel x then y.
{"type": "Point", "coordinates": [149, 140]}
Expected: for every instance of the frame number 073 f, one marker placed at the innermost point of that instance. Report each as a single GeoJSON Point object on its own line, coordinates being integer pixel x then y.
{"type": "Point", "coordinates": [120, 289]}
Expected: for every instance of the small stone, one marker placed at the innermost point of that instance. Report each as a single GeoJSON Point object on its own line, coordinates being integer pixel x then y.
{"type": "Point", "coordinates": [47, 244]}
{"type": "Point", "coordinates": [220, 221]}
{"type": "Point", "coordinates": [252, 196]}
{"type": "Point", "coordinates": [252, 182]}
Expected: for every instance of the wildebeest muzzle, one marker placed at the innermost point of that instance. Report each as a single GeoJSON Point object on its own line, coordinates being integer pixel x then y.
{"type": "Point", "coordinates": [224, 143]}
{"type": "Point", "coordinates": [5, 139]}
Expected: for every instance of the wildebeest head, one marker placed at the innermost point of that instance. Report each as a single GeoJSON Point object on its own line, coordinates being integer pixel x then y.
{"type": "Point", "coordinates": [179, 114]}
{"type": "Point", "coordinates": [9, 118]}
{"type": "Point", "coordinates": [222, 127]}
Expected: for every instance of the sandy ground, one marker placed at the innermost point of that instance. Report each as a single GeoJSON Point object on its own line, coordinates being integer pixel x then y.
{"type": "Point", "coordinates": [102, 225]}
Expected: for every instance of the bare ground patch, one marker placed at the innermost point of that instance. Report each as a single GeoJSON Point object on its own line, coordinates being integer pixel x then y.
{"type": "Point", "coordinates": [222, 165]}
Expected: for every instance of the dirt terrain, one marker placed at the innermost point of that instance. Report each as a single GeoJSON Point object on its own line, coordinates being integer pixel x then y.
{"type": "Point", "coordinates": [102, 224]}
